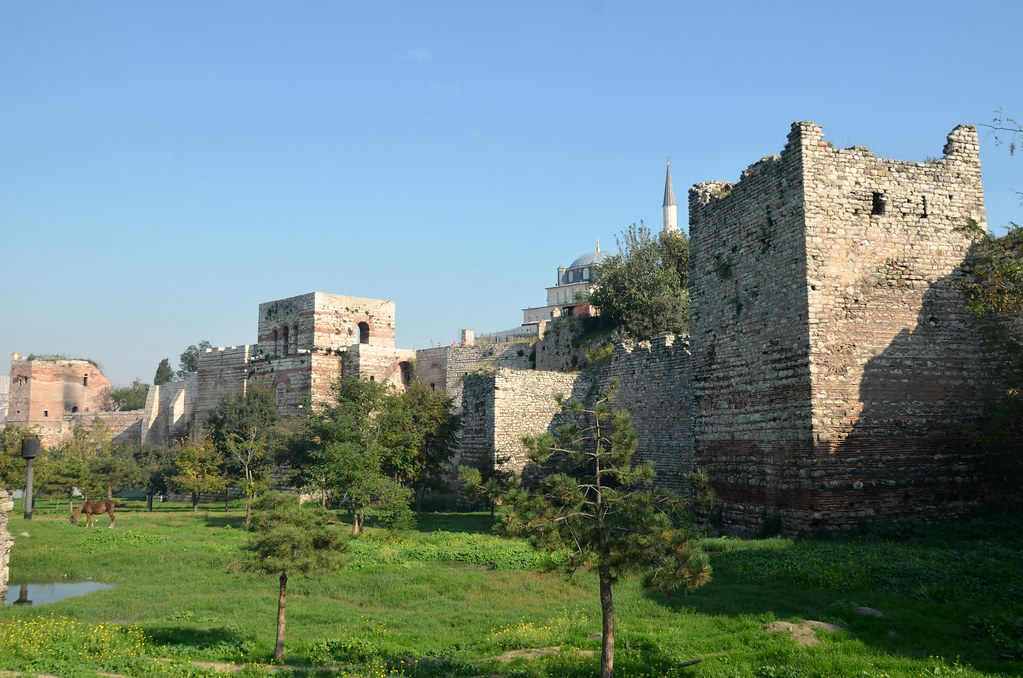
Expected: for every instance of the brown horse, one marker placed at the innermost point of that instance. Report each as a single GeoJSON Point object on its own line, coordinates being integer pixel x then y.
{"type": "Point", "coordinates": [91, 508]}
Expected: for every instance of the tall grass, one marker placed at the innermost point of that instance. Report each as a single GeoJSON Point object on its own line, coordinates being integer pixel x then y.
{"type": "Point", "coordinates": [452, 599]}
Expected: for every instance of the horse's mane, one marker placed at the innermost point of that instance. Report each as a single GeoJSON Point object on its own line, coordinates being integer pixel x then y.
{"type": "Point", "coordinates": [77, 513]}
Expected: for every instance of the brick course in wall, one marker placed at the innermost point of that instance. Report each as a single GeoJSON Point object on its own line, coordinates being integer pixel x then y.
{"type": "Point", "coordinates": [835, 372]}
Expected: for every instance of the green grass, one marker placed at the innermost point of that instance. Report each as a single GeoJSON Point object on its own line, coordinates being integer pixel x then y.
{"type": "Point", "coordinates": [450, 597]}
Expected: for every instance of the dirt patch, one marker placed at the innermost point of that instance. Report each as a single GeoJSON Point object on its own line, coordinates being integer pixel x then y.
{"type": "Point", "coordinates": [805, 634]}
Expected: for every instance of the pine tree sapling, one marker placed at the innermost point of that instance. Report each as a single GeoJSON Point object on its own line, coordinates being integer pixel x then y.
{"type": "Point", "coordinates": [289, 539]}
{"type": "Point", "coordinates": [604, 510]}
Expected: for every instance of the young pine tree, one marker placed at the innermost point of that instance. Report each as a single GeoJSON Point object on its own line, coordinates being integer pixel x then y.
{"type": "Point", "coordinates": [605, 511]}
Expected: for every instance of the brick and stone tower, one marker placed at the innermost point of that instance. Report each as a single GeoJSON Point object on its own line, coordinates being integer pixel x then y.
{"type": "Point", "coordinates": [835, 370]}
{"type": "Point", "coordinates": [669, 206]}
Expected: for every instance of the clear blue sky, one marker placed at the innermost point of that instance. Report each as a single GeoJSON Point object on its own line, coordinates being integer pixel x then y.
{"type": "Point", "coordinates": [167, 166]}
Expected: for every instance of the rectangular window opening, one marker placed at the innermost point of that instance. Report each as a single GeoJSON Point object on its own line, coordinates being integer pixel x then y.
{"type": "Point", "coordinates": [878, 204]}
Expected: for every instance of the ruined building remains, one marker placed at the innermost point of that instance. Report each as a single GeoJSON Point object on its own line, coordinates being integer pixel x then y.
{"type": "Point", "coordinates": [52, 394]}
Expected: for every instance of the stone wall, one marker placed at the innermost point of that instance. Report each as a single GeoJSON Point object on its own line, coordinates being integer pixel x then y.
{"type": "Point", "coordinates": [500, 408]}
{"type": "Point", "coordinates": [169, 412]}
{"type": "Point", "coordinates": [834, 370]}
{"type": "Point", "coordinates": [6, 542]}
{"type": "Point", "coordinates": [444, 367]}
{"type": "Point", "coordinates": [319, 321]}
{"type": "Point", "coordinates": [654, 386]}
{"type": "Point", "coordinates": [43, 392]}
{"type": "Point", "coordinates": [221, 371]}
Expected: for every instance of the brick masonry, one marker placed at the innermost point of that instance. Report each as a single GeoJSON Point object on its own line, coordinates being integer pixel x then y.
{"type": "Point", "coordinates": [834, 370]}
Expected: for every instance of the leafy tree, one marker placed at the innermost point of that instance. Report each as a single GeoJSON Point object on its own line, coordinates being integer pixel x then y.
{"type": "Point", "coordinates": [644, 288]}
{"type": "Point", "coordinates": [111, 474]}
{"type": "Point", "coordinates": [12, 464]}
{"type": "Point", "coordinates": [244, 426]}
{"type": "Point", "coordinates": [605, 511]}
{"type": "Point", "coordinates": [188, 362]}
{"type": "Point", "coordinates": [489, 483]}
{"type": "Point", "coordinates": [163, 373]}
{"type": "Point", "coordinates": [198, 469]}
{"type": "Point", "coordinates": [993, 295]}
{"type": "Point", "coordinates": [343, 452]}
{"type": "Point", "coordinates": [420, 430]}
{"type": "Point", "coordinates": [130, 397]}
{"type": "Point", "coordinates": [155, 464]}
{"type": "Point", "coordinates": [286, 539]}
{"type": "Point", "coordinates": [58, 477]}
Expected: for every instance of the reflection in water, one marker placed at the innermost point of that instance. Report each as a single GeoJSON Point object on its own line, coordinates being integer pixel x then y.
{"type": "Point", "coordinates": [40, 594]}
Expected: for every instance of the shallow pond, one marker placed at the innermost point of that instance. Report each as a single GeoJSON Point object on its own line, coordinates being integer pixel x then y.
{"type": "Point", "coordinates": [40, 594]}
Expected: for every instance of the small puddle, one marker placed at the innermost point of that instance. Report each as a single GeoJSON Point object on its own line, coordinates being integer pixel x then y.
{"type": "Point", "coordinates": [41, 594]}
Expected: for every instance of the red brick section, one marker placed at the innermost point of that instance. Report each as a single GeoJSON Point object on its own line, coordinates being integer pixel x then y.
{"type": "Point", "coordinates": [43, 392]}
{"type": "Point", "coordinates": [834, 369]}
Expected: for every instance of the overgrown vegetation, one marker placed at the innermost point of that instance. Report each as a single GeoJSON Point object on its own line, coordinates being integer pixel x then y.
{"type": "Point", "coordinates": [644, 288]}
{"type": "Point", "coordinates": [993, 295]}
{"type": "Point", "coordinates": [450, 598]}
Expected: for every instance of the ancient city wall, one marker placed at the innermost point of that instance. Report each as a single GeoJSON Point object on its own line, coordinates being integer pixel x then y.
{"type": "Point", "coordinates": [6, 542]}
{"type": "Point", "coordinates": [168, 414]}
{"type": "Point", "coordinates": [655, 387]}
{"type": "Point", "coordinates": [500, 408]}
{"type": "Point", "coordinates": [749, 333]}
{"type": "Point", "coordinates": [319, 321]}
{"type": "Point", "coordinates": [832, 362]}
{"type": "Point", "coordinates": [898, 367]}
{"type": "Point", "coordinates": [221, 370]}
{"type": "Point", "coordinates": [444, 367]}
{"type": "Point", "coordinates": [42, 392]}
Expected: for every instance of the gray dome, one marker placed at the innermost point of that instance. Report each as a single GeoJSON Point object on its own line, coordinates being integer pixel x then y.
{"type": "Point", "coordinates": [590, 259]}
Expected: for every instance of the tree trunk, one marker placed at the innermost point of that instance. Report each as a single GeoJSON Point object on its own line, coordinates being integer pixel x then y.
{"type": "Point", "coordinates": [419, 502]}
{"type": "Point", "coordinates": [195, 502]}
{"type": "Point", "coordinates": [149, 503]}
{"type": "Point", "coordinates": [227, 497]}
{"type": "Point", "coordinates": [279, 648]}
{"type": "Point", "coordinates": [248, 514]}
{"type": "Point", "coordinates": [607, 609]}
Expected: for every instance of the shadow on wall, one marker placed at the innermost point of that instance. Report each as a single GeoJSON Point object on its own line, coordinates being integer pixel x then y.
{"type": "Point", "coordinates": [908, 452]}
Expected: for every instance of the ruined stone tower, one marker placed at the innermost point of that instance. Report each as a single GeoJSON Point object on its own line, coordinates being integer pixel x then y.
{"type": "Point", "coordinates": [835, 370]}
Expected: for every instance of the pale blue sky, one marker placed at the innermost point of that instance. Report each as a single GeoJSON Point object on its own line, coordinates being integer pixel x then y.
{"type": "Point", "coordinates": [167, 166]}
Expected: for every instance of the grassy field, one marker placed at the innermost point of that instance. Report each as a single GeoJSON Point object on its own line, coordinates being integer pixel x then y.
{"type": "Point", "coordinates": [450, 599]}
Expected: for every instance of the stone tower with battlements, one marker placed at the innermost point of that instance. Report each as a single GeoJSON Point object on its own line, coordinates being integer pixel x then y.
{"type": "Point", "coordinates": [835, 371]}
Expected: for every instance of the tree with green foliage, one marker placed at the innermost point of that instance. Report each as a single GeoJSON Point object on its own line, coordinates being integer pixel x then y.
{"type": "Point", "coordinates": [993, 295]}
{"type": "Point", "coordinates": [420, 429]}
{"type": "Point", "coordinates": [287, 538]}
{"type": "Point", "coordinates": [605, 511]}
{"type": "Point", "coordinates": [644, 288]}
{"type": "Point", "coordinates": [343, 453]}
{"type": "Point", "coordinates": [155, 464]}
{"type": "Point", "coordinates": [244, 426]}
{"type": "Point", "coordinates": [488, 483]}
{"type": "Point", "coordinates": [163, 373]}
{"type": "Point", "coordinates": [130, 397]}
{"type": "Point", "coordinates": [188, 361]}
{"type": "Point", "coordinates": [198, 469]}
{"type": "Point", "coordinates": [111, 474]}
{"type": "Point", "coordinates": [12, 464]}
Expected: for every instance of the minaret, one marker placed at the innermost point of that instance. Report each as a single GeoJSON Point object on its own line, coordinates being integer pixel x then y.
{"type": "Point", "coordinates": [670, 209]}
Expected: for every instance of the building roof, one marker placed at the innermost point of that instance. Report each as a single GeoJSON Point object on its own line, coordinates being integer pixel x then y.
{"type": "Point", "coordinates": [590, 258]}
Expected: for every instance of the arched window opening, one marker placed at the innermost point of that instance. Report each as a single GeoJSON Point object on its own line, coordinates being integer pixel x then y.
{"type": "Point", "coordinates": [85, 380]}
{"type": "Point", "coordinates": [273, 344]}
{"type": "Point", "coordinates": [363, 333]}
{"type": "Point", "coordinates": [74, 409]}
{"type": "Point", "coordinates": [285, 345]}
{"type": "Point", "coordinates": [372, 378]}
{"type": "Point", "coordinates": [406, 372]}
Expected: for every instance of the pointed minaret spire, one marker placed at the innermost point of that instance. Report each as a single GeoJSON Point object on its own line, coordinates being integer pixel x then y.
{"type": "Point", "coordinates": [670, 209]}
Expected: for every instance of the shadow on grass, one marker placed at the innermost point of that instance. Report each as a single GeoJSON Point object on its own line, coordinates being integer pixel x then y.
{"type": "Point", "coordinates": [234, 522]}
{"type": "Point", "coordinates": [198, 642]}
{"type": "Point", "coordinates": [481, 523]}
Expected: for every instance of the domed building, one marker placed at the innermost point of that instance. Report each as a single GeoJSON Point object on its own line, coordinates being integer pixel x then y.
{"type": "Point", "coordinates": [568, 296]}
